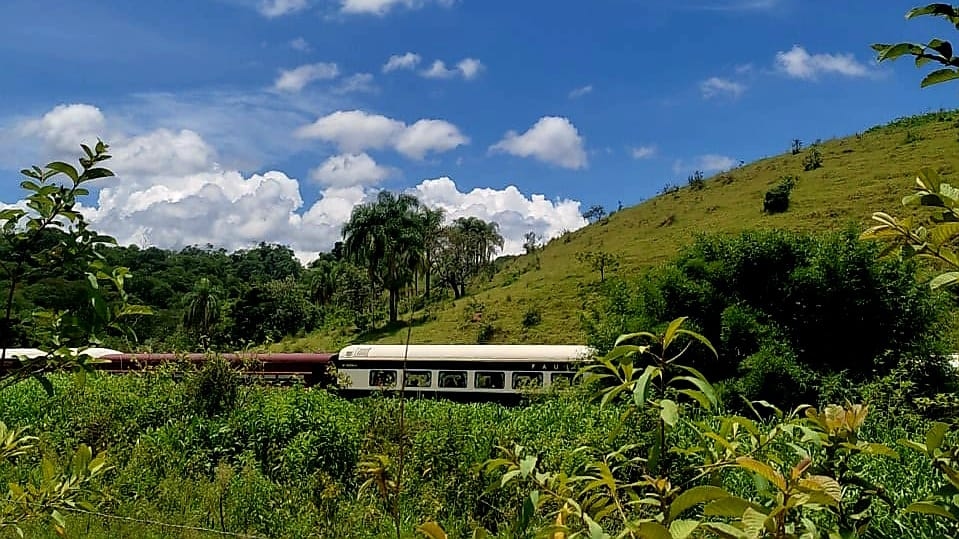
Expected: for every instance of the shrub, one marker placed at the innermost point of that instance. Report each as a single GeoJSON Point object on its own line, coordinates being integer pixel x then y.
{"type": "Point", "coordinates": [813, 160]}
{"type": "Point", "coordinates": [213, 389]}
{"type": "Point", "coordinates": [777, 198]}
{"type": "Point", "coordinates": [532, 317]}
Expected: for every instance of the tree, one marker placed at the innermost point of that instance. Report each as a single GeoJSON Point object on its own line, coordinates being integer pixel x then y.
{"type": "Point", "coordinates": [386, 236]}
{"type": "Point", "coordinates": [796, 146]}
{"type": "Point", "coordinates": [464, 249]}
{"type": "Point", "coordinates": [202, 308]}
{"type": "Point", "coordinates": [601, 261]}
{"type": "Point", "coordinates": [595, 213]}
{"type": "Point", "coordinates": [532, 242]}
{"type": "Point", "coordinates": [431, 223]}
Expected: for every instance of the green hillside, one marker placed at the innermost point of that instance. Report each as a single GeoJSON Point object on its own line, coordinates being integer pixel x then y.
{"type": "Point", "coordinates": [863, 173]}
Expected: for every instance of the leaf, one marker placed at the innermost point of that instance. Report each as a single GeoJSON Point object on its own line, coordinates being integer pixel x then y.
{"type": "Point", "coordinates": [824, 484]}
{"type": "Point", "coordinates": [527, 465]}
{"type": "Point", "coordinates": [652, 530]}
{"type": "Point", "coordinates": [64, 168]}
{"type": "Point", "coordinates": [695, 496]}
{"type": "Point", "coordinates": [681, 529]}
{"type": "Point", "coordinates": [725, 531]}
{"type": "Point", "coordinates": [699, 338]}
{"type": "Point", "coordinates": [929, 508]}
{"type": "Point", "coordinates": [669, 412]}
{"type": "Point", "coordinates": [729, 507]}
{"type": "Point", "coordinates": [764, 470]}
{"type": "Point", "coordinates": [935, 435]}
{"type": "Point", "coordinates": [642, 384]}
{"type": "Point", "coordinates": [944, 233]}
{"type": "Point", "coordinates": [671, 330]}
{"type": "Point", "coordinates": [753, 522]}
{"type": "Point", "coordinates": [95, 173]}
{"type": "Point", "coordinates": [432, 530]}
{"type": "Point", "coordinates": [939, 75]}
{"type": "Point", "coordinates": [595, 530]}
{"type": "Point", "coordinates": [891, 52]}
{"type": "Point", "coordinates": [944, 48]}
{"type": "Point", "coordinates": [931, 9]}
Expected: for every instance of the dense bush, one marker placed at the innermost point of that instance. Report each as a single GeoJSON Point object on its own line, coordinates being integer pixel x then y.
{"type": "Point", "coordinates": [776, 199]}
{"type": "Point", "coordinates": [804, 305]}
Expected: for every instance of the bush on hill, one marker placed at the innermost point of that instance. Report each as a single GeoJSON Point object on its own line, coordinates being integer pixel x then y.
{"type": "Point", "coordinates": [785, 309]}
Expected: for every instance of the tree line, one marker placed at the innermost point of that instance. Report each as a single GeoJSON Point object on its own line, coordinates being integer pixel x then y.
{"type": "Point", "coordinates": [395, 252]}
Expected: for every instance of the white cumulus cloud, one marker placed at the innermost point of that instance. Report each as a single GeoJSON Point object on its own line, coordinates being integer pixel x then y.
{"type": "Point", "coordinates": [800, 64]}
{"type": "Point", "coordinates": [348, 170]}
{"type": "Point", "coordinates": [171, 192]}
{"type": "Point", "coordinates": [467, 68]}
{"type": "Point", "coordinates": [65, 126]}
{"type": "Point", "coordinates": [402, 61]}
{"type": "Point", "coordinates": [355, 131]}
{"type": "Point", "coordinates": [717, 86]}
{"type": "Point", "coordinates": [357, 83]}
{"type": "Point", "coordinates": [515, 213]}
{"type": "Point", "coordinates": [552, 139]}
{"type": "Point", "coordinates": [294, 80]}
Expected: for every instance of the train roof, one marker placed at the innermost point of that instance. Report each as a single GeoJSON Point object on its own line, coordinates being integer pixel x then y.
{"type": "Point", "coordinates": [468, 352]}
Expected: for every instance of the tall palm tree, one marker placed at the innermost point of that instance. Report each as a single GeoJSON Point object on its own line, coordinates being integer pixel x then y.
{"type": "Point", "coordinates": [202, 307]}
{"type": "Point", "coordinates": [385, 235]}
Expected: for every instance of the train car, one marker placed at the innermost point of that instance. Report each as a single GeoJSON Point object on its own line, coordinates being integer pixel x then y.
{"type": "Point", "coordinates": [461, 372]}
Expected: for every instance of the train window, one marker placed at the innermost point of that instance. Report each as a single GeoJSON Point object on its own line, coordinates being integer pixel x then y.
{"type": "Point", "coordinates": [526, 379]}
{"type": "Point", "coordinates": [382, 378]}
{"type": "Point", "coordinates": [453, 379]}
{"type": "Point", "coordinates": [489, 380]}
{"type": "Point", "coordinates": [419, 379]}
{"type": "Point", "coordinates": [562, 379]}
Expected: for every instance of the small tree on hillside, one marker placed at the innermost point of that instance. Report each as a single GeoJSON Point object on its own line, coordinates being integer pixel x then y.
{"type": "Point", "coordinates": [601, 261]}
{"type": "Point", "coordinates": [595, 213]}
{"type": "Point", "coordinates": [533, 242]}
{"type": "Point", "coordinates": [813, 160]}
{"type": "Point", "coordinates": [796, 146]}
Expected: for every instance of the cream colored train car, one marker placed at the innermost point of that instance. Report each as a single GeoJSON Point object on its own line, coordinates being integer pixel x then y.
{"type": "Point", "coordinates": [464, 372]}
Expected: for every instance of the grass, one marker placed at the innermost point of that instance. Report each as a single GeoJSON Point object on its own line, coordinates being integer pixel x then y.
{"type": "Point", "coordinates": [861, 174]}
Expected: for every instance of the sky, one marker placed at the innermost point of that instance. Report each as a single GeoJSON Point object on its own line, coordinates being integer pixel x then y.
{"type": "Point", "coordinates": [233, 122]}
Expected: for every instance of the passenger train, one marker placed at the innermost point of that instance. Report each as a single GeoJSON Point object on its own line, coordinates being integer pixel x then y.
{"type": "Point", "coordinates": [460, 372]}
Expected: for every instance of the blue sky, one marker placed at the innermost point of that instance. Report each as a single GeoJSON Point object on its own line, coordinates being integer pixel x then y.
{"type": "Point", "coordinates": [235, 121]}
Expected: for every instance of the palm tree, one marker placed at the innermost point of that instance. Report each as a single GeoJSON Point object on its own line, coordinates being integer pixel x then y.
{"type": "Point", "coordinates": [385, 235]}
{"type": "Point", "coordinates": [323, 281]}
{"type": "Point", "coordinates": [202, 307]}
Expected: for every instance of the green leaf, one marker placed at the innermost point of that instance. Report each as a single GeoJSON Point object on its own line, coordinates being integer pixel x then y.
{"type": "Point", "coordinates": [935, 436]}
{"type": "Point", "coordinates": [764, 470]}
{"type": "Point", "coordinates": [642, 385]}
{"type": "Point", "coordinates": [891, 52]}
{"type": "Point", "coordinates": [938, 9]}
{"type": "Point", "coordinates": [681, 529]}
{"type": "Point", "coordinates": [929, 508]}
{"type": "Point", "coordinates": [652, 530]}
{"type": "Point", "coordinates": [699, 338]}
{"type": "Point", "coordinates": [95, 173]}
{"type": "Point", "coordinates": [669, 412]}
{"type": "Point", "coordinates": [671, 331]}
{"type": "Point", "coordinates": [595, 530]}
{"type": "Point", "coordinates": [939, 75]}
{"type": "Point", "coordinates": [726, 531]}
{"type": "Point", "coordinates": [527, 465]}
{"type": "Point", "coordinates": [944, 280]}
{"type": "Point", "coordinates": [64, 168]}
{"type": "Point", "coordinates": [944, 233]}
{"type": "Point", "coordinates": [753, 522]}
{"type": "Point", "coordinates": [942, 47]}
{"type": "Point", "coordinates": [729, 507]}
{"type": "Point", "coordinates": [694, 496]}
{"type": "Point", "coordinates": [432, 530]}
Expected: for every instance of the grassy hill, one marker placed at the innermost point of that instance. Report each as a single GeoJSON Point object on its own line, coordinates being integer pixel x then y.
{"type": "Point", "coordinates": [867, 172]}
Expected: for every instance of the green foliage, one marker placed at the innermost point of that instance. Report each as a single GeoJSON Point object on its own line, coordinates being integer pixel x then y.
{"type": "Point", "coordinates": [214, 388]}
{"type": "Point", "coordinates": [532, 317]}
{"type": "Point", "coordinates": [601, 261]}
{"type": "Point", "coordinates": [696, 180]}
{"type": "Point", "coordinates": [777, 198]}
{"type": "Point", "coordinates": [812, 160]}
{"type": "Point", "coordinates": [811, 305]}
